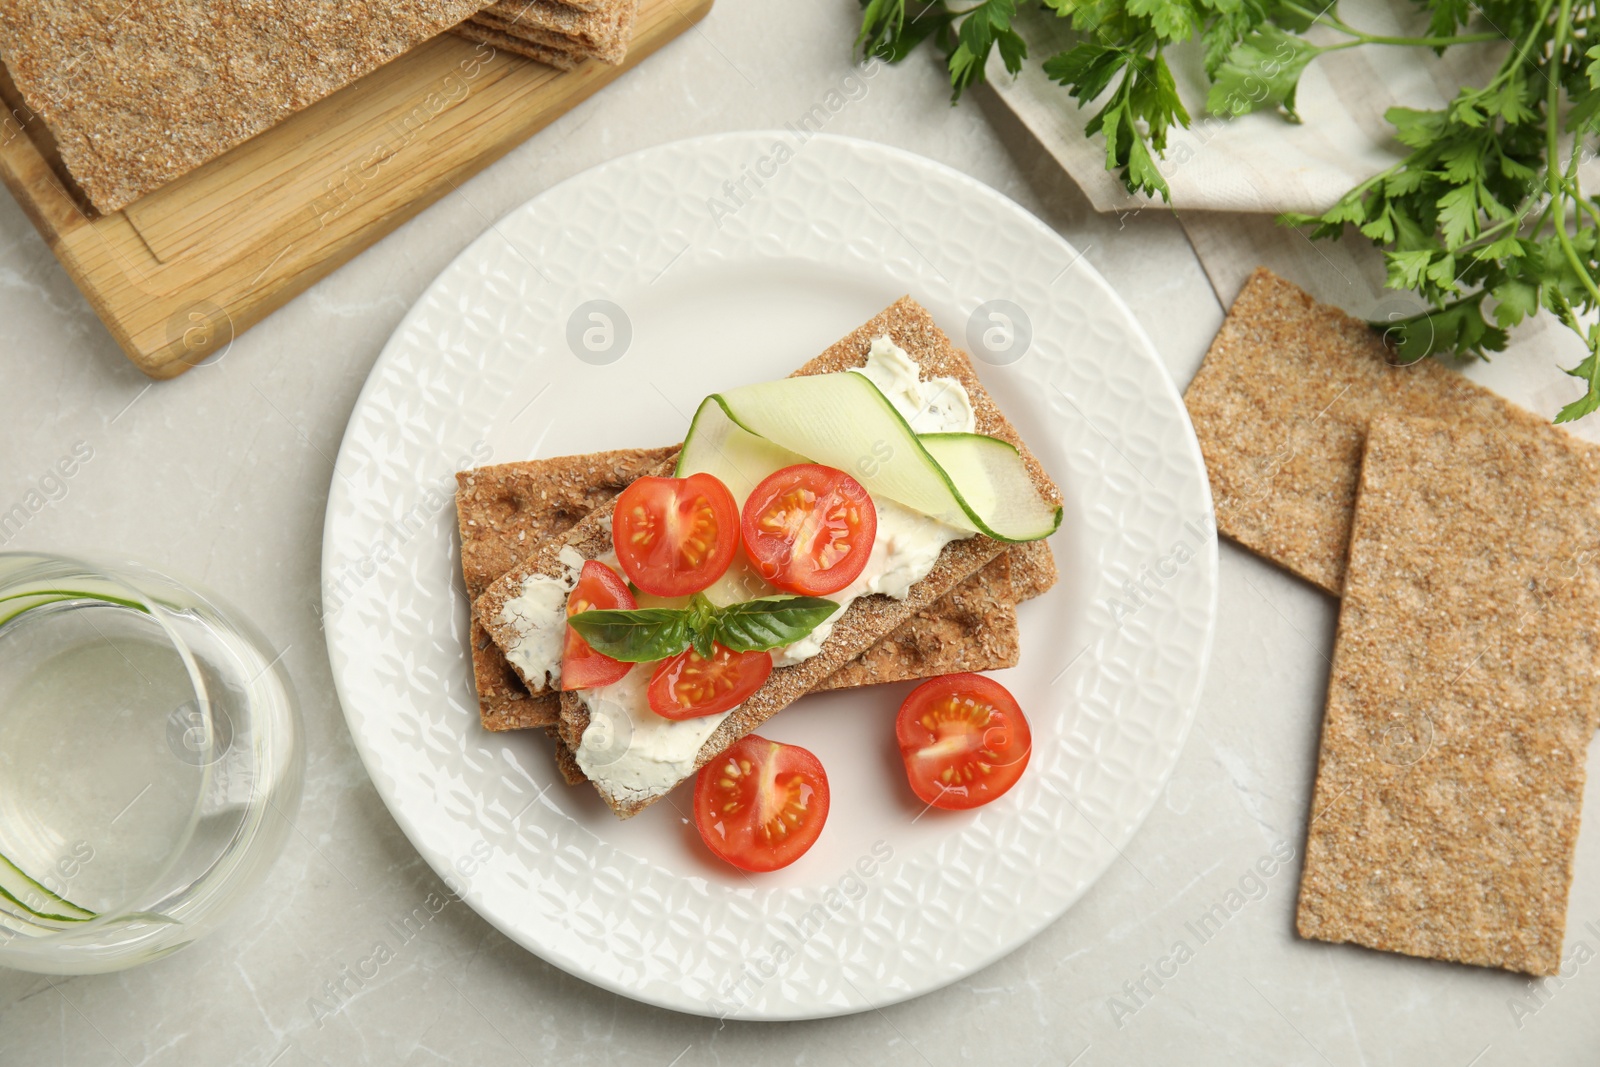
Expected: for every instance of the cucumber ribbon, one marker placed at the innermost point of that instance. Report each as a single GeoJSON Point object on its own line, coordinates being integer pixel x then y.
{"type": "Point", "coordinates": [967, 480]}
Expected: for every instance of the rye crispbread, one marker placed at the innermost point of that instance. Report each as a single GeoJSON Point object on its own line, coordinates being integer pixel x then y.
{"type": "Point", "coordinates": [559, 58]}
{"type": "Point", "coordinates": [973, 627]}
{"type": "Point", "coordinates": [1033, 569]}
{"type": "Point", "coordinates": [1280, 406]}
{"type": "Point", "coordinates": [868, 619]}
{"type": "Point", "coordinates": [602, 30]}
{"type": "Point", "coordinates": [503, 513]}
{"type": "Point", "coordinates": [566, 762]}
{"type": "Point", "coordinates": [512, 9]}
{"type": "Point", "coordinates": [138, 92]}
{"type": "Point", "coordinates": [1464, 692]}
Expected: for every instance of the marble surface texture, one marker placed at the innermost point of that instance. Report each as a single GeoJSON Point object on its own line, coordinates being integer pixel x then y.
{"type": "Point", "coordinates": [222, 475]}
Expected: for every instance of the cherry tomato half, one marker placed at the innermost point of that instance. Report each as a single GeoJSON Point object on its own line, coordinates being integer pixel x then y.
{"type": "Point", "coordinates": [599, 588]}
{"type": "Point", "coordinates": [964, 739]}
{"type": "Point", "coordinates": [687, 687]}
{"type": "Point", "coordinates": [675, 536]}
{"type": "Point", "coordinates": [760, 805]}
{"type": "Point", "coordinates": [809, 529]}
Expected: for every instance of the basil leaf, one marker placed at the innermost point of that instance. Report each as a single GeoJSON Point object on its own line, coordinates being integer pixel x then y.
{"type": "Point", "coordinates": [646, 634]}
{"type": "Point", "coordinates": [702, 624]}
{"type": "Point", "coordinates": [636, 636]}
{"type": "Point", "coordinates": [770, 622]}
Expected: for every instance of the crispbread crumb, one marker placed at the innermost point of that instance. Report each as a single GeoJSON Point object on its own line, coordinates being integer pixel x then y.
{"type": "Point", "coordinates": [566, 762]}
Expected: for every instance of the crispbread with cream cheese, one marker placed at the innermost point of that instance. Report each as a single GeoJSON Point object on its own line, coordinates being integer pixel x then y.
{"type": "Point", "coordinates": [504, 512]}
{"type": "Point", "coordinates": [973, 627]}
{"type": "Point", "coordinates": [868, 619]}
{"type": "Point", "coordinates": [507, 510]}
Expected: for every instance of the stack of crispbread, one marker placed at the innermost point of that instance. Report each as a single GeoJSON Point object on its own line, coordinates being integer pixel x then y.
{"type": "Point", "coordinates": [1462, 533]}
{"type": "Point", "coordinates": [516, 519]}
{"type": "Point", "coordinates": [562, 33]}
{"type": "Point", "coordinates": [137, 93]}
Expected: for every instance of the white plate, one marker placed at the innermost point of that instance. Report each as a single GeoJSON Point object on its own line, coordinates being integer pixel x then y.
{"type": "Point", "coordinates": [803, 249]}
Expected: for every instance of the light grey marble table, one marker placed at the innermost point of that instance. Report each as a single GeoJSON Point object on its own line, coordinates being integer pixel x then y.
{"type": "Point", "coordinates": [222, 475]}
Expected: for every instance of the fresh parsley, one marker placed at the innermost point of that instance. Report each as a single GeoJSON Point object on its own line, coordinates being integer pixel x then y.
{"type": "Point", "coordinates": [1484, 217]}
{"type": "Point", "coordinates": [644, 634]}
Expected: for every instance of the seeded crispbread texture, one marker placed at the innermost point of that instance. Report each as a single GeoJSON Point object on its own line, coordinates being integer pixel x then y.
{"type": "Point", "coordinates": [1281, 404]}
{"type": "Point", "coordinates": [559, 58]}
{"type": "Point", "coordinates": [566, 762]}
{"type": "Point", "coordinates": [1033, 569]}
{"type": "Point", "coordinates": [503, 512]}
{"type": "Point", "coordinates": [602, 30]}
{"type": "Point", "coordinates": [973, 627]}
{"type": "Point", "coordinates": [513, 9]}
{"type": "Point", "coordinates": [1464, 692]}
{"type": "Point", "coordinates": [138, 92]}
{"type": "Point", "coordinates": [868, 619]}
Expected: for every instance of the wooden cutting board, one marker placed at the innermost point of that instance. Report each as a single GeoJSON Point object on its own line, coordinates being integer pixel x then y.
{"type": "Point", "coordinates": [176, 275]}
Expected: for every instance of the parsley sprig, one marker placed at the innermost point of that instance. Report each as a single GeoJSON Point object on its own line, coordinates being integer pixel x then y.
{"type": "Point", "coordinates": [1484, 217]}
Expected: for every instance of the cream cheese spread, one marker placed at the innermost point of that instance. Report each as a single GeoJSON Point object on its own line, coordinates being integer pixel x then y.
{"type": "Point", "coordinates": [635, 752]}
{"type": "Point", "coordinates": [930, 405]}
{"type": "Point", "coordinates": [538, 614]}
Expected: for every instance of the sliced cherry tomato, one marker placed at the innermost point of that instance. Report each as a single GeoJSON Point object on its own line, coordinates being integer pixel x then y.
{"type": "Point", "coordinates": [760, 805]}
{"type": "Point", "coordinates": [687, 687]}
{"type": "Point", "coordinates": [964, 739]}
{"type": "Point", "coordinates": [809, 529]}
{"type": "Point", "coordinates": [675, 536]}
{"type": "Point", "coordinates": [599, 587]}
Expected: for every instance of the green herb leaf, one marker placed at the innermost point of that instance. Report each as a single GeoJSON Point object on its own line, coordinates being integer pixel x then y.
{"type": "Point", "coordinates": [1589, 371]}
{"type": "Point", "coordinates": [1262, 71]}
{"type": "Point", "coordinates": [634, 636]}
{"type": "Point", "coordinates": [1145, 93]}
{"type": "Point", "coordinates": [1415, 129]}
{"type": "Point", "coordinates": [1458, 215]}
{"type": "Point", "coordinates": [702, 624]}
{"type": "Point", "coordinates": [1086, 70]}
{"type": "Point", "coordinates": [642, 635]}
{"type": "Point", "coordinates": [982, 27]}
{"type": "Point", "coordinates": [1174, 20]}
{"type": "Point", "coordinates": [771, 622]}
{"type": "Point", "coordinates": [1515, 300]}
{"type": "Point", "coordinates": [1484, 203]}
